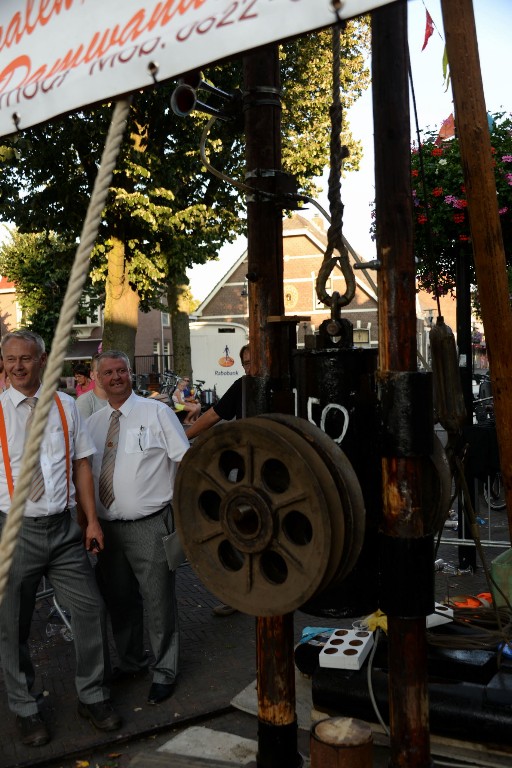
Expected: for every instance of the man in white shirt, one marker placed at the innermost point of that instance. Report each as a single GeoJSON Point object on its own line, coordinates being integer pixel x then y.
{"type": "Point", "coordinates": [147, 443]}
{"type": "Point", "coordinates": [50, 542]}
{"type": "Point", "coordinates": [95, 399]}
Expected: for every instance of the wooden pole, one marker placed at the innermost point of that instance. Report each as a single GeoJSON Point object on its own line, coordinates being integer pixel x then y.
{"type": "Point", "coordinates": [277, 722]}
{"type": "Point", "coordinates": [408, 693]}
{"type": "Point", "coordinates": [486, 235]}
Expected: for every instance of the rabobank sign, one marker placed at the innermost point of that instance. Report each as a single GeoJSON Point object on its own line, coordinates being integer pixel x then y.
{"type": "Point", "coordinates": [216, 353]}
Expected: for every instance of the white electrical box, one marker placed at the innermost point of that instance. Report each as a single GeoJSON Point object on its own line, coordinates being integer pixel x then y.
{"type": "Point", "coordinates": [441, 615]}
{"type": "Point", "coordinates": [346, 649]}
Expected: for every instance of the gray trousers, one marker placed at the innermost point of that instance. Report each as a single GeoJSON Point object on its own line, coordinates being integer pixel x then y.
{"type": "Point", "coordinates": [52, 546]}
{"type": "Point", "coordinates": [132, 571]}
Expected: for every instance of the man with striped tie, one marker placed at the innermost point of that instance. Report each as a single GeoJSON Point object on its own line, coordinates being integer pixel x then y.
{"type": "Point", "coordinates": [50, 542]}
{"type": "Point", "coordinates": [139, 443]}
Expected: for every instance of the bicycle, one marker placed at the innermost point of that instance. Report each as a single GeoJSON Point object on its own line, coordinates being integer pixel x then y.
{"type": "Point", "coordinates": [140, 384]}
{"type": "Point", "coordinates": [493, 490]}
{"type": "Point", "coordinates": [207, 397]}
{"type": "Point", "coordinates": [168, 383]}
{"type": "Point", "coordinates": [63, 627]}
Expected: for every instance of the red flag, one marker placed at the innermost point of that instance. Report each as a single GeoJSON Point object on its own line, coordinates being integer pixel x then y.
{"type": "Point", "coordinates": [429, 30]}
{"type": "Point", "coordinates": [447, 130]}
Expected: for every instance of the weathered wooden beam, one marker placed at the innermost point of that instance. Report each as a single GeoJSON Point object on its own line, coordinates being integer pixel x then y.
{"type": "Point", "coordinates": [486, 235]}
{"type": "Point", "coordinates": [408, 692]}
{"type": "Point", "coordinates": [277, 722]}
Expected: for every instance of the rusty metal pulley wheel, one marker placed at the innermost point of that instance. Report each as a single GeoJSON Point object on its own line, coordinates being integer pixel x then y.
{"type": "Point", "coordinates": [348, 515]}
{"type": "Point", "coordinates": [253, 502]}
{"type": "Point", "coordinates": [253, 517]}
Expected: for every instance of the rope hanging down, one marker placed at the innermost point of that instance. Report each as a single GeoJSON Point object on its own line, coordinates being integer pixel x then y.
{"type": "Point", "coordinates": [53, 368]}
{"type": "Point", "coordinates": [335, 242]}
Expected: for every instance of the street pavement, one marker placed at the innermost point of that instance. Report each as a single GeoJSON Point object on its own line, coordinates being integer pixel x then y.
{"type": "Point", "coordinates": [218, 660]}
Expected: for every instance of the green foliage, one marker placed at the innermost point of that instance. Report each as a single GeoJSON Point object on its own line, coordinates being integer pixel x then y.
{"type": "Point", "coordinates": [441, 223]}
{"type": "Point", "coordinates": [39, 264]}
{"type": "Point", "coordinates": [166, 209]}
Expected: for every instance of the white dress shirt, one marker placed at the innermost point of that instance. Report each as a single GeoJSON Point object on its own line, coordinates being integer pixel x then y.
{"type": "Point", "coordinates": [151, 444]}
{"type": "Point", "coordinates": [53, 451]}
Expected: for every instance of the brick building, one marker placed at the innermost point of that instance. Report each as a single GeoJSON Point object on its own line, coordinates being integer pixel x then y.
{"type": "Point", "coordinates": [304, 245]}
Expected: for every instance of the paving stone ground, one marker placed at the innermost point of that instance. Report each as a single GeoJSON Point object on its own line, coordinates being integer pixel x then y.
{"type": "Point", "coordinates": [217, 662]}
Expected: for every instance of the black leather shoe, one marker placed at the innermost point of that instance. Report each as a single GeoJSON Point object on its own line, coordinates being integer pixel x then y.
{"type": "Point", "coordinates": [34, 732]}
{"type": "Point", "coordinates": [160, 692]}
{"type": "Point", "coordinates": [102, 715]}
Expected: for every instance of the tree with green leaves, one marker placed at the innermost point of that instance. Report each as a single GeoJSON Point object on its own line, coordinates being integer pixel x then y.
{"type": "Point", "coordinates": [165, 212]}
{"type": "Point", "coordinates": [441, 216]}
{"type": "Point", "coordinates": [39, 264]}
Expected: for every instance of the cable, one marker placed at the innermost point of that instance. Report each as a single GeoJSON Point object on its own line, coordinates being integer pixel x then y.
{"type": "Point", "coordinates": [209, 167]}
{"type": "Point", "coordinates": [369, 682]}
{"type": "Point", "coordinates": [288, 196]}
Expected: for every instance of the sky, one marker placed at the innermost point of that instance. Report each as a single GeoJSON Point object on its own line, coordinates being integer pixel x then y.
{"type": "Point", "coordinates": [434, 104]}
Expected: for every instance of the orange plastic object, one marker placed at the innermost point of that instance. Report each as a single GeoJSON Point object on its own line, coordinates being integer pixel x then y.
{"type": "Point", "coordinates": [466, 601]}
{"type": "Point", "coordinates": [486, 597]}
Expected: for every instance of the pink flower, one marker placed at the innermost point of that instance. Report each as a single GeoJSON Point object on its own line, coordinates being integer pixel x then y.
{"type": "Point", "coordinates": [507, 158]}
{"type": "Point", "coordinates": [502, 211]}
{"type": "Point", "coordinates": [456, 202]}
{"type": "Point", "coordinates": [508, 177]}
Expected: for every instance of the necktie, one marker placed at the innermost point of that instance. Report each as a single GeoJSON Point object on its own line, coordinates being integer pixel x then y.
{"type": "Point", "coordinates": [37, 486]}
{"type": "Point", "coordinates": [106, 485]}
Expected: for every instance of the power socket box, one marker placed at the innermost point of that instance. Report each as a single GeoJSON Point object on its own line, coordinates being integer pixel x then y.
{"type": "Point", "coordinates": [346, 649]}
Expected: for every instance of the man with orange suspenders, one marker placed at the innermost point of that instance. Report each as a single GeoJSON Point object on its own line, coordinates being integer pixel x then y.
{"type": "Point", "coordinates": [50, 543]}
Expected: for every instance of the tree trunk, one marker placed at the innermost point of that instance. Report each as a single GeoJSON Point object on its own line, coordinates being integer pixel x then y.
{"type": "Point", "coordinates": [121, 304]}
{"type": "Point", "coordinates": [178, 304]}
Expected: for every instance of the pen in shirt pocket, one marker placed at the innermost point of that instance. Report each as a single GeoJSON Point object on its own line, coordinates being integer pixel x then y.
{"type": "Point", "coordinates": [141, 434]}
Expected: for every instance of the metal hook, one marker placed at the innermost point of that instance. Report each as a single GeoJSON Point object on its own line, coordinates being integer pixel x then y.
{"type": "Point", "coordinates": [153, 68]}
{"type": "Point", "coordinates": [337, 6]}
{"type": "Point", "coordinates": [16, 118]}
{"type": "Point", "coordinates": [334, 326]}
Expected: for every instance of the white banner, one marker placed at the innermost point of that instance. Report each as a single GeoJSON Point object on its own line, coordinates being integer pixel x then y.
{"type": "Point", "coordinates": [59, 55]}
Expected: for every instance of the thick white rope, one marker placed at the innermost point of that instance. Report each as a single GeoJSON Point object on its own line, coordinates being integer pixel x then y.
{"type": "Point", "coordinates": [63, 330]}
